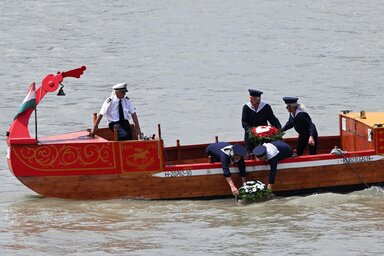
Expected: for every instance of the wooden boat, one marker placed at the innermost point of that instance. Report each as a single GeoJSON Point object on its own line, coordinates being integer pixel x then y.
{"type": "Point", "coordinates": [76, 166]}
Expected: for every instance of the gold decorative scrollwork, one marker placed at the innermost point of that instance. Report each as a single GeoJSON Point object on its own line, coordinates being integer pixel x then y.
{"type": "Point", "coordinates": [66, 155]}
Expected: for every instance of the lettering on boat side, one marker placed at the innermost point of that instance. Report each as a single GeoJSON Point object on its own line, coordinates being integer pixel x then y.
{"type": "Point", "coordinates": [259, 168]}
{"type": "Point", "coordinates": [183, 173]}
{"type": "Point", "coordinates": [190, 172]}
{"type": "Point", "coordinates": [357, 159]}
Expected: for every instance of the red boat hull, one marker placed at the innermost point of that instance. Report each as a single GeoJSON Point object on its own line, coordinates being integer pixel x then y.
{"type": "Point", "coordinates": [75, 166]}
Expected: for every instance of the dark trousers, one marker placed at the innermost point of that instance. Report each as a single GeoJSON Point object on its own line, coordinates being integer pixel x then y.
{"type": "Point", "coordinates": [302, 143]}
{"type": "Point", "coordinates": [124, 131]}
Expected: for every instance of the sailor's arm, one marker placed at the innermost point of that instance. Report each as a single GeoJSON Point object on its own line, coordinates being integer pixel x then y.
{"type": "Point", "coordinates": [136, 122]}
{"type": "Point", "coordinates": [96, 125]}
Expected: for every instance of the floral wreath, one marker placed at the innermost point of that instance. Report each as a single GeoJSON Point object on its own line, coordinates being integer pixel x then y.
{"type": "Point", "coordinates": [254, 191]}
{"type": "Point", "coordinates": [264, 133]}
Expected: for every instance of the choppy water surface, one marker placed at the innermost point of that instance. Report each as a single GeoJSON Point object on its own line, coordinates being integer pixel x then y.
{"type": "Point", "coordinates": [189, 65]}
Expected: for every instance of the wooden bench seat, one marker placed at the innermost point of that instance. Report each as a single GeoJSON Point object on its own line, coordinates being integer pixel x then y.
{"type": "Point", "coordinates": [107, 134]}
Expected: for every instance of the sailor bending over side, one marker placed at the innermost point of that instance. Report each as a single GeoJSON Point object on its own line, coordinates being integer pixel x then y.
{"type": "Point", "coordinates": [273, 153]}
{"type": "Point", "coordinates": [228, 154]}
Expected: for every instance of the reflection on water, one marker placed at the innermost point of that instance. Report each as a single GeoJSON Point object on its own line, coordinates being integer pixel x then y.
{"type": "Point", "coordinates": [130, 227]}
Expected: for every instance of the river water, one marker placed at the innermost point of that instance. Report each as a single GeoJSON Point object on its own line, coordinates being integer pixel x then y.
{"type": "Point", "coordinates": [188, 65]}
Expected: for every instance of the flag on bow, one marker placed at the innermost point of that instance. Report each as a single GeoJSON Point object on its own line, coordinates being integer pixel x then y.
{"type": "Point", "coordinates": [28, 102]}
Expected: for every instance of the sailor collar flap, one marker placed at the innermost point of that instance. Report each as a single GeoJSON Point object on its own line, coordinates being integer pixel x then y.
{"type": "Point", "coordinates": [227, 150]}
{"type": "Point", "coordinates": [262, 104]}
{"type": "Point", "coordinates": [272, 150]}
{"type": "Point", "coordinates": [299, 110]}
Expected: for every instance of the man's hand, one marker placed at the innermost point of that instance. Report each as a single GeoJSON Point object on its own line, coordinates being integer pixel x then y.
{"type": "Point", "coordinates": [93, 132]}
{"type": "Point", "coordinates": [235, 192]}
{"type": "Point", "coordinates": [311, 141]}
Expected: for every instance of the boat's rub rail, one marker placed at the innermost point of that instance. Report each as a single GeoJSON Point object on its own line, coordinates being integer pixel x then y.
{"type": "Point", "coordinates": [204, 162]}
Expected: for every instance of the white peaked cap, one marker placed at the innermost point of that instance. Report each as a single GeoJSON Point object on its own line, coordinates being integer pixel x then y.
{"type": "Point", "coordinates": [120, 87]}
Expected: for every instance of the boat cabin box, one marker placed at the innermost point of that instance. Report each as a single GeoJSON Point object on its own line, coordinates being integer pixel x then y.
{"type": "Point", "coordinates": [362, 131]}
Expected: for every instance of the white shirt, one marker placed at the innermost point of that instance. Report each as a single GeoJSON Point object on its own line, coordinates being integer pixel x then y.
{"type": "Point", "coordinates": [110, 108]}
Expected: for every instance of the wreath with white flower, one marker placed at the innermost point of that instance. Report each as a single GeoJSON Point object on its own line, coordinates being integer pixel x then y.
{"type": "Point", "coordinates": [254, 191]}
{"type": "Point", "coordinates": [265, 133]}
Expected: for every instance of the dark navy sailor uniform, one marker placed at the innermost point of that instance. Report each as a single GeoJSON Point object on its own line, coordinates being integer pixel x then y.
{"type": "Point", "coordinates": [275, 152]}
{"type": "Point", "coordinates": [220, 151]}
{"type": "Point", "coordinates": [304, 127]}
{"type": "Point", "coordinates": [256, 117]}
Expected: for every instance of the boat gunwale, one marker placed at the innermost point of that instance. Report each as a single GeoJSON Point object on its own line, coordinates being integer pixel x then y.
{"type": "Point", "coordinates": [305, 158]}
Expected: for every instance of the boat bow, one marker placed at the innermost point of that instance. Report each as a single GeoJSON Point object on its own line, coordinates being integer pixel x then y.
{"type": "Point", "coordinates": [18, 132]}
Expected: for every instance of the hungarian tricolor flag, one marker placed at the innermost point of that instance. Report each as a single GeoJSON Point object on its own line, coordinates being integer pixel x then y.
{"type": "Point", "coordinates": [29, 101]}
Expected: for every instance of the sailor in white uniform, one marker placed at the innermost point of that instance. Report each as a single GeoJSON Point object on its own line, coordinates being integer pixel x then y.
{"type": "Point", "coordinates": [119, 110]}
